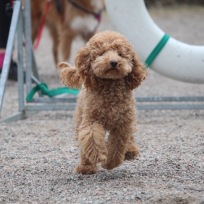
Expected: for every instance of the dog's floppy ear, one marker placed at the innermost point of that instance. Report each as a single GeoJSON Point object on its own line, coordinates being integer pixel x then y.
{"type": "Point", "coordinates": [137, 75]}
{"type": "Point", "coordinates": [69, 75]}
{"type": "Point", "coordinates": [83, 63]}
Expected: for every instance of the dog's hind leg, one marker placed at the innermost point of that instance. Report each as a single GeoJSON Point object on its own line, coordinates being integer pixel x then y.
{"type": "Point", "coordinates": [92, 145]}
{"type": "Point", "coordinates": [35, 27]}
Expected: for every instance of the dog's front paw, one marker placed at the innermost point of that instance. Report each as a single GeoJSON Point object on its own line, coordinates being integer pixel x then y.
{"type": "Point", "coordinates": [86, 169]}
{"type": "Point", "coordinates": [131, 153]}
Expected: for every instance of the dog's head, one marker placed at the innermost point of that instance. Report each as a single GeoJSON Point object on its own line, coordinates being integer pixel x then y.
{"type": "Point", "coordinates": [108, 55]}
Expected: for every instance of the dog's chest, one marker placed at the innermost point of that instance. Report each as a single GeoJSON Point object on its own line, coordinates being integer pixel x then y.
{"type": "Point", "coordinates": [84, 24]}
{"type": "Point", "coordinates": [113, 109]}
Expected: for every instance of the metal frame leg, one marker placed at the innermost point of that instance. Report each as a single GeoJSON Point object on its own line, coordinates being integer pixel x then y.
{"type": "Point", "coordinates": [9, 50]}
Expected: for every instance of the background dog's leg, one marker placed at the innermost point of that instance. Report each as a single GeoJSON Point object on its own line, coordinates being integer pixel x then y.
{"type": "Point", "coordinates": [92, 145]}
{"type": "Point", "coordinates": [117, 146]}
{"type": "Point", "coordinates": [36, 18]}
{"type": "Point", "coordinates": [66, 39]}
{"type": "Point", "coordinates": [35, 27]}
{"type": "Point", "coordinates": [132, 151]}
{"type": "Point", "coordinates": [55, 40]}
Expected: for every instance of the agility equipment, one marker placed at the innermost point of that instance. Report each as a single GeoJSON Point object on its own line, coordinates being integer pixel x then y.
{"type": "Point", "coordinates": [162, 53]}
{"type": "Point", "coordinates": [177, 60]}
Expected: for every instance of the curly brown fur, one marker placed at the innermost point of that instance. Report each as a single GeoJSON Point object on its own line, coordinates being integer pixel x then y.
{"type": "Point", "coordinates": [67, 23]}
{"type": "Point", "coordinates": [109, 71]}
{"type": "Point", "coordinates": [69, 75]}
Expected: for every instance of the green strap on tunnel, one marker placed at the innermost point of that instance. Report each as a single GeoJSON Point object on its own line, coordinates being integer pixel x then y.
{"type": "Point", "coordinates": [157, 50]}
{"type": "Point", "coordinates": [43, 88]}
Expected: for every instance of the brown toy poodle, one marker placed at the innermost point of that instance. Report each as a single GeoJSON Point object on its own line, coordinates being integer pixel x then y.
{"type": "Point", "coordinates": [107, 70]}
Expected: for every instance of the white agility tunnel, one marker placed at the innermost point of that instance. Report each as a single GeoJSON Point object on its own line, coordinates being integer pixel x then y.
{"type": "Point", "coordinates": [176, 60]}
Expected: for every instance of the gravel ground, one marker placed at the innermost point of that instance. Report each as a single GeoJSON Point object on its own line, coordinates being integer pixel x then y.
{"type": "Point", "coordinates": [38, 155]}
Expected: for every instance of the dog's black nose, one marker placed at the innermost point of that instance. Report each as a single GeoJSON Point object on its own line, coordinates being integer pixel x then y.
{"type": "Point", "coordinates": [113, 63]}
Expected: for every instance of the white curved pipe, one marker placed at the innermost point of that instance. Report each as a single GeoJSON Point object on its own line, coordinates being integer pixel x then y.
{"type": "Point", "coordinates": [176, 60]}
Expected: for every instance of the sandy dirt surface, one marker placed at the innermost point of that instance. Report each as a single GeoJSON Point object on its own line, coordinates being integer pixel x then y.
{"type": "Point", "coordinates": [38, 155]}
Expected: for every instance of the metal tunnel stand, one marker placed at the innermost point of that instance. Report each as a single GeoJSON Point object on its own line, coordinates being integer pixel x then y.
{"type": "Point", "coordinates": [27, 68]}
{"type": "Point", "coordinates": [21, 28]}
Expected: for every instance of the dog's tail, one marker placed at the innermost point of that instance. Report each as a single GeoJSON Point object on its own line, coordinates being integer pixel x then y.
{"type": "Point", "coordinates": [69, 75]}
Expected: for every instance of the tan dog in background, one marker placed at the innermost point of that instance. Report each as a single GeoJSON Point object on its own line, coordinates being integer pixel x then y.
{"type": "Point", "coordinates": [65, 20]}
{"type": "Point", "coordinates": [108, 71]}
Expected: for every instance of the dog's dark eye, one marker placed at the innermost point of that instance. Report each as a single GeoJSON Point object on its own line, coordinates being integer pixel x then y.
{"type": "Point", "coordinates": [120, 54]}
